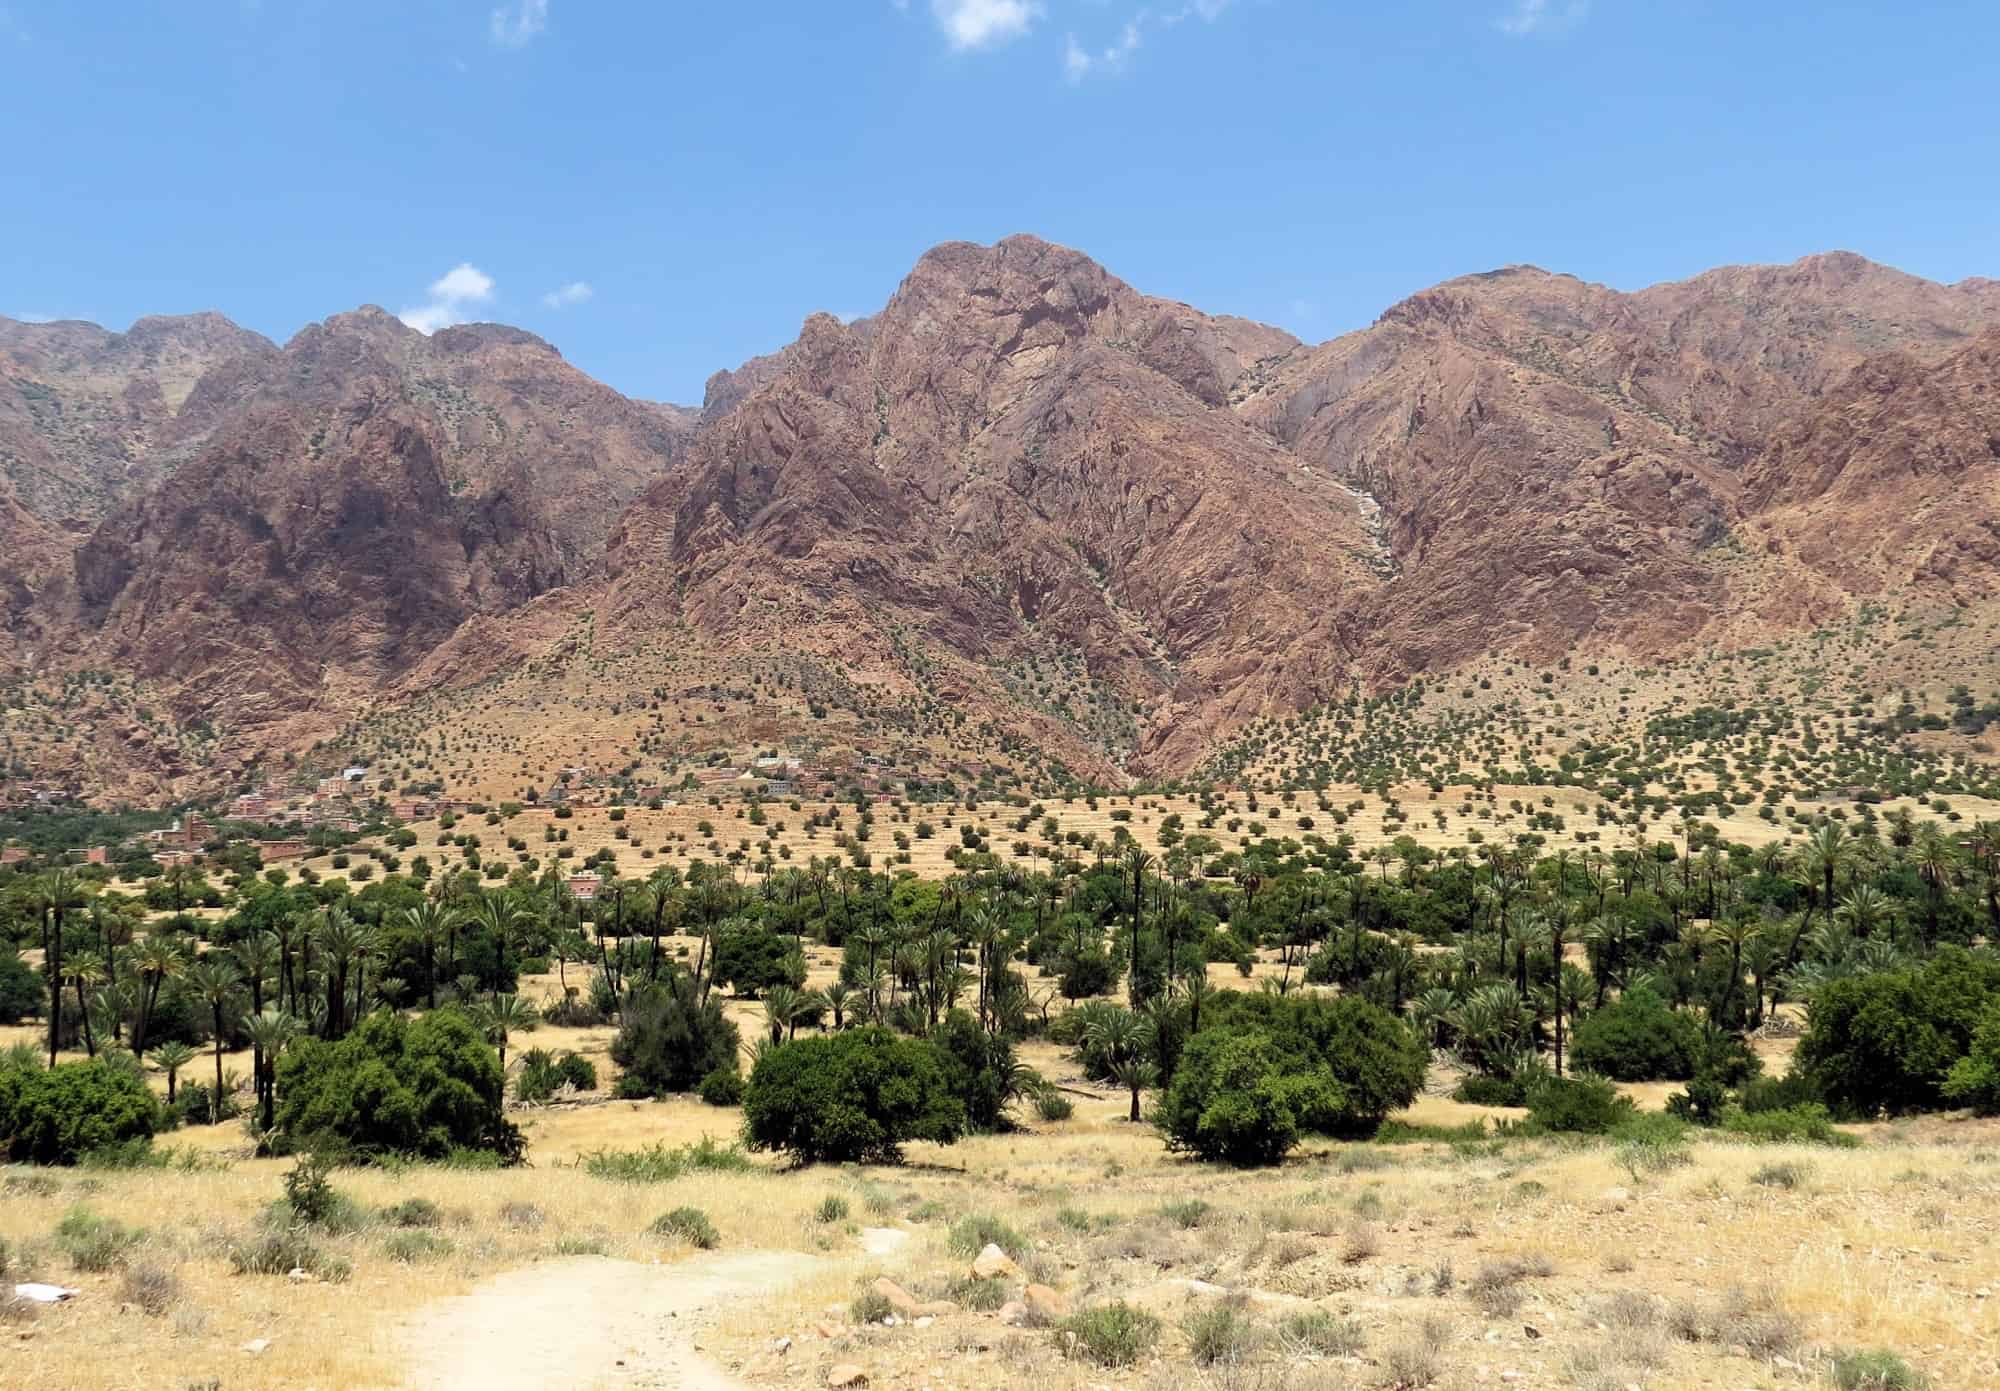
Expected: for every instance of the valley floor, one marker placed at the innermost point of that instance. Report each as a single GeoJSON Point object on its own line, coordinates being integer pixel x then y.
{"type": "Point", "coordinates": [1469, 1262]}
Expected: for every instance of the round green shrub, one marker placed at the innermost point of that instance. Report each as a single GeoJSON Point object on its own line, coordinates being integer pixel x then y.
{"type": "Point", "coordinates": [853, 1096]}
{"type": "Point", "coordinates": [1242, 1098]}
{"type": "Point", "coordinates": [425, 1087]}
{"type": "Point", "coordinates": [723, 1086]}
{"type": "Point", "coordinates": [669, 1039]}
{"type": "Point", "coordinates": [1638, 1039]}
{"type": "Point", "coordinates": [57, 1115]}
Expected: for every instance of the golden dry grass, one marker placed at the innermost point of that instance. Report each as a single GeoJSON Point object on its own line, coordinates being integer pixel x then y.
{"type": "Point", "coordinates": [1885, 1245]}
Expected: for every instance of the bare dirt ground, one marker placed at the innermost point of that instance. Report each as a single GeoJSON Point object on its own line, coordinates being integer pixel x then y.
{"type": "Point", "coordinates": [623, 1324]}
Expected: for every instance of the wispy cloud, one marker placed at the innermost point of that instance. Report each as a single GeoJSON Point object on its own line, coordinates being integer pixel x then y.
{"type": "Point", "coordinates": [29, 317]}
{"type": "Point", "coordinates": [970, 24]}
{"type": "Point", "coordinates": [450, 299]}
{"type": "Point", "coordinates": [518, 23]}
{"type": "Point", "coordinates": [563, 296]}
{"type": "Point", "coordinates": [1079, 62]}
{"type": "Point", "coordinates": [1531, 17]}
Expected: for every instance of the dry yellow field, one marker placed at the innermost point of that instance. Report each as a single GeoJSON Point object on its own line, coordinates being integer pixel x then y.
{"type": "Point", "coordinates": [674, 834]}
{"type": "Point", "coordinates": [1890, 1245]}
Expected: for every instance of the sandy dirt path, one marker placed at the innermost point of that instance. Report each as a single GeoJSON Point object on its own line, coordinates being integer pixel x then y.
{"type": "Point", "coordinates": [586, 1322]}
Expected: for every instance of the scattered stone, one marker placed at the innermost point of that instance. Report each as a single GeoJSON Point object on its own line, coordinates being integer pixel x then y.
{"type": "Point", "coordinates": [994, 1264]}
{"type": "Point", "coordinates": [829, 1328]}
{"type": "Point", "coordinates": [1616, 1198]}
{"type": "Point", "coordinates": [780, 1346]}
{"type": "Point", "coordinates": [1013, 1313]}
{"type": "Point", "coordinates": [925, 1321]}
{"type": "Point", "coordinates": [297, 1275]}
{"type": "Point", "coordinates": [257, 1346]}
{"type": "Point", "coordinates": [1044, 1303]}
{"type": "Point", "coordinates": [900, 1299]}
{"type": "Point", "coordinates": [846, 1374]}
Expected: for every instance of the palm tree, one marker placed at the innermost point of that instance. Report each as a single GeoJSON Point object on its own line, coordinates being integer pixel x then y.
{"type": "Point", "coordinates": [1137, 862]}
{"type": "Point", "coordinates": [172, 1056]}
{"type": "Point", "coordinates": [114, 932]}
{"type": "Point", "coordinates": [215, 979]}
{"type": "Point", "coordinates": [1735, 934]}
{"type": "Point", "coordinates": [430, 920]}
{"type": "Point", "coordinates": [340, 940]}
{"type": "Point", "coordinates": [1937, 864]}
{"type": "Point", "coordinates": [270, 1030]}
{"type": "Point", "coordinates": [1432, 1013]}
{"type": "Point", "coordinates": [1124, 1039]}
{"type": "Point", "coordinates": [1865, 909]}
{"type": "Point", "coordinates": [500, 915]}
{"type": "Point", "coordinates": [160, 959]}
{"type": "Point", "coordinates": [782, 1007]}
{"type": "Point", "coordinates": [86, 970]}
{"type": "Point", "coordinates": [58, 891]}
{"type": "Point", "coordinates": [505, 1015]}
{"type": "Point", "coordinates": [257, 954]}
{"type": "Point", "coordinates": [838, 998]}
{"type": "Point", "coordinates": [1827, 852]}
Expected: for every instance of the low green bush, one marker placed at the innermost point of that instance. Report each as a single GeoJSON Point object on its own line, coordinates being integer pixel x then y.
{"type": "Point", "coordinates": [544, 1073]}
{"type": "Point", "coordinates": [1323, 1333]}
{"type": "Point", "coordinates": [276, 1249]}
{"type": "Point", "coordinates": [1875, 1369]}
{"type": "Point", "coordinates": [1111, 1335]}
{"type": "Point", "coordinates": [689, 1224]}
{"type": "Point", "coordinates": [416, 1247]}
{"type": "Point", "coordinates": [1218, 1332]}
{"type": "Point", "coordinates": [1477, 1089]}
{"type": "Point", "coordinates": [870, 1306]}
{"type": "Point", "coordinates": [980, 1296]}
{"type": "Point", "coordinates": [974, 1233]}
{"type": "Point", "coordinates": [1578, 1105]}
{"type": "Point", "coordinates": [94, 1243]}
{"type": "Point", "coordinates": [723, 1086]}
{"type": "Point", "coordinates": [1809, 1124]}
{"type": "Point", "coordinates": [413, 1212]}
{"type": "Point", "coordinates": [663, 1163]}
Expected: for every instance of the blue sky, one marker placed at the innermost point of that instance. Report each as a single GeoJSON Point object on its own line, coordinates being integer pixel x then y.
{"type": "Point", "coordinates": [662, 189]}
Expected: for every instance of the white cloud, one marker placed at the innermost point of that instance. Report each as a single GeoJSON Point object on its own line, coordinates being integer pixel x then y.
{"type": "Point", "coordinates": [517, 24]}
{"type": "Point", "coordinates": [969, 24]}
{"type": "Point", "coordinates": [1201, 9]}
{"type": "Point", "coordinates": [451, 296]}
{"type": "Point", "coordinates": [563, 296]}
{"type": "Point", "coordinates": [463, 283]}
{"type": "Point", "coordinates": [1079, 63]}
{"type": "Point", "coordinates": [1529, 17]}
{"type": "Point", "coordinates": [24, 317]}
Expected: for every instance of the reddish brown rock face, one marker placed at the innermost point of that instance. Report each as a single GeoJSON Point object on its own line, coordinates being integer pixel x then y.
{"type": "Point", "coordinates": [1020, 463]}
{"type": "Point", "coordinates": [1019, 453]}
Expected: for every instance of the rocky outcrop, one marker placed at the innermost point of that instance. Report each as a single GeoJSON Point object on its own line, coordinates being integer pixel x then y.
{"type": "Point", "coordinates": [1019, 456]}
{"type": "Point", "coordinates": [356, 498]}
{"type": "Point", "coordinates": [1892, 482]}
{"type": "Point", "coordinates": [1023, 498]}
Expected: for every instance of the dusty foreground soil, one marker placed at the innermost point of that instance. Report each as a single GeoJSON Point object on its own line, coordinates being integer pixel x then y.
{"type": "Point", "coordinates": [587, 1321]}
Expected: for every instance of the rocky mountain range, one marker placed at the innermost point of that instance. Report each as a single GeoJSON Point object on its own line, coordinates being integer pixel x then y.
{"type": "Point", "coordinates": [1024, 492]}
